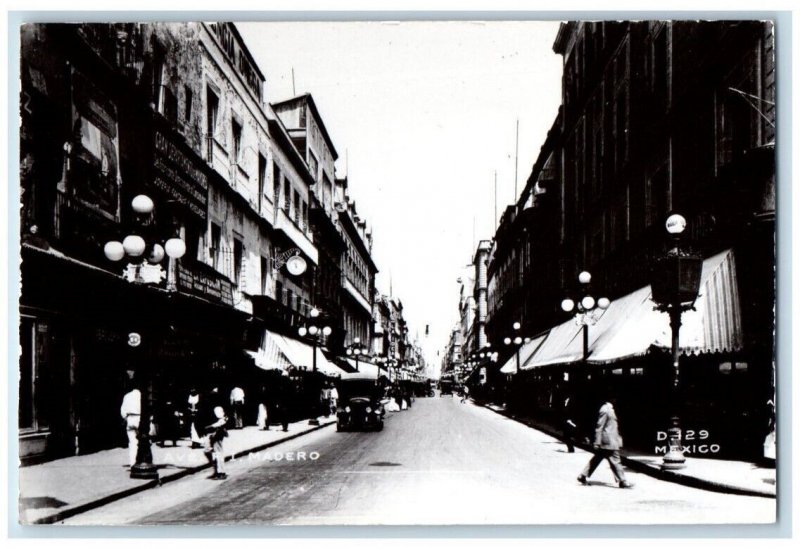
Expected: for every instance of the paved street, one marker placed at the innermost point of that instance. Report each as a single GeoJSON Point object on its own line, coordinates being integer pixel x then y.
{"type": "Point", "coordinates": [441, 462]}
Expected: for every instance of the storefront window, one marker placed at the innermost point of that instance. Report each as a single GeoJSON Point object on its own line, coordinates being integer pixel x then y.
{"type": "Point", "coordinates": [34, 340]}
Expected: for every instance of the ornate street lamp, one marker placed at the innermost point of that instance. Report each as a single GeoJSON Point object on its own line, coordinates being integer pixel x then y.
{"type": "Point", "coordinates": [675, 286]}
{"type": "Point", "coordinates": [316, 334]}
{"type": "Point", "coordinates": [144, 268]}
{"type": "Point", "coordinates": [517, 341]}
{"type": "Point", "coordinates": [355, 350]}
{"type": "Point", "coordinates": [587, 307]}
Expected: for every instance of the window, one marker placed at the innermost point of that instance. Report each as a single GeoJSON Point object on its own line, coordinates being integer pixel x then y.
{"type": "Point", "coordinates": [169, 105]}
{"type": "Point", "coordinates": [212, 112]}
{"type": "Point", "coordinates": [238, 263]}
{"type": "Point", "coordinates": [621, 128]}
{"type": "Point", "coordinates": [312, 165]}
{"type": "Point", "coordinates": [287, 197]}
{"type": "Point", "coordinates": [188, 97]}
{"type": "Point", "coordinates": [660, 75]}
{"type": "Point", "coordinates": [264, 274]}
{"type": "Point", "coordinates": [215, 251]}
{"type": "Point", "coordinates": [304, 218]}
{"type": "Point", "coordinates": [278, 291]}
{"type": "Point", "coordinates": [659, 194]}
{"type": "Point", "coordinates": [158, 79]}
{"type": "Point", "coordinates": [276, 184]}
{"type": "Point", "coordinates": [236, 141]}
{"type": "Point", "coordinates": [297, 208]}
{"type": "Point", "coordinates": [193, 238]}
{"type": "Point", "coordinates": [262, 178]}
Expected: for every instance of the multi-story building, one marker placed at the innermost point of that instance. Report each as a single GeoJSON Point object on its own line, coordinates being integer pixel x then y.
{"type": "Point", "coordinates": [452, 359]}
{"type": "Point", "coordinates": [310, 136]}
{"type": "Point", "coordinates": [480, 264]}
{"type": "Point", "coordinates": [467, 311]}
{"type": "Point", "coordinates": [382, 326]}
{"type": "Point", "coordinates": [358, 270]}
{"type": "Point", "coordinates": [656, 117]}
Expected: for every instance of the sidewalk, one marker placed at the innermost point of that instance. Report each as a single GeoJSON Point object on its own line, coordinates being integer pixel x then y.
{"type": "Point", "coordinates": [55, 490]}
{"type": "Point", "coordinates": [732, 477]}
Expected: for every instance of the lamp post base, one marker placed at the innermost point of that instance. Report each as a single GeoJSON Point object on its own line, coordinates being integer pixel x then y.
{"type": "Point", "coordinates": [674, 458]}
{"type": "Point", "coordinates": [146, 471]}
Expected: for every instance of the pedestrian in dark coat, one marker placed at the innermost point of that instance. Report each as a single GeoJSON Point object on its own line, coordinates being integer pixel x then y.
{"type": "Point", "coordinates": [170, 422]}
{"type": "Point", "coordinates": [282, 399]}
{"type": "Point", "coordinates": [568, 424]}
{"type": "Point", "coordinates": [607, 444]}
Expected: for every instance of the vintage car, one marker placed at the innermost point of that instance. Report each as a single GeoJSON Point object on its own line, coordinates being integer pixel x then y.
{"type": "Point", "coordinates": [446, 387]}
{"type": "Point", "coordinates": [360, 406]}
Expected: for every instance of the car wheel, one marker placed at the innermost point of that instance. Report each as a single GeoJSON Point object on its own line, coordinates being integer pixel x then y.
{"type": "Point", "coordinates": [339, 428]}
{"type": "Point", "coordinates": [379, 427]}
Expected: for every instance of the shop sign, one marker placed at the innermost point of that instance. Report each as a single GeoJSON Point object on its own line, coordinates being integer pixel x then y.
{"type": "Point", "coordinates": [208, 285]}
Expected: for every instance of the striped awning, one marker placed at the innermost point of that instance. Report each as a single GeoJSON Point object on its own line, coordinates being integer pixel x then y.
{"type": "Point", "coordinates": [300, 354]}
{"type": "Point", "coordinates": [367, 369]}
{"type": "Point", "coordinates": [269, 355]}
{"type": "Point", "coordinates": [631, 325]}
{"type": "Point", "coordinates": [525, 354]}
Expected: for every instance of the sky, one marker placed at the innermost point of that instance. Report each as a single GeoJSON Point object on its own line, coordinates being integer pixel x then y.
{"type": "Point", "coordinates": [422, 115]}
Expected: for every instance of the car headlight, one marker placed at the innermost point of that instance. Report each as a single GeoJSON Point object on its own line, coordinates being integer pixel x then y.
{"type": "Point", "coordinates": [369, 410]}
{"type": "Point", "coordinates": [347, 409]}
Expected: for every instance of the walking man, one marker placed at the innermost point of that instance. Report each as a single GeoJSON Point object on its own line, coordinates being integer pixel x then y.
{"type": "Point", "coordinates": [334, 399]}
{"type": "Point", "coordinates": [465, 394]}
{"type": "Point", "coordinates": [237, 405]}
{"type": "Point", "coordinates": [131, 413]}
{"type": "Point", "coordinates": [607, 443]}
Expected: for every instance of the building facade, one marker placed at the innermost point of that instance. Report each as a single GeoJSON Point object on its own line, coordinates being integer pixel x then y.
{"type": "Point", "coordinates": [656, 117]}
{"type": "Point", "coordinates": [176, 112]}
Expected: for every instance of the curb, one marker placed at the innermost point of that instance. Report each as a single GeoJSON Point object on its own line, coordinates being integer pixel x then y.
{"type": "Point", "coordinates": [105, 500]}
{"type": "Point", "coordinates": [655, 472]}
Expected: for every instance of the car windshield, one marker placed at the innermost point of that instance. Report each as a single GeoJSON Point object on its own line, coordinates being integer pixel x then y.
{"type": "Point", "coordinates": [358, 388]}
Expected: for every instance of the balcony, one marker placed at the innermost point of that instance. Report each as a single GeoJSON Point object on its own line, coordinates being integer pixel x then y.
{"type": "Point", "coordinates": [355, 294]}
{"type": "Point", "coordinates": [298, 237]}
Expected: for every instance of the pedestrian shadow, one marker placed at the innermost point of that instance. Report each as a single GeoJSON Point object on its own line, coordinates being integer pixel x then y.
{"type": "Point", "coordinates": [41, 502]}
{"type": "Point", "coordinates": [601, 484]}
{"type": "Point", "coordinates": [160, 466]}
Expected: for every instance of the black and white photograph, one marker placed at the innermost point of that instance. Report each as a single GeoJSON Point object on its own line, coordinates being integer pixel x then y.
{"type": "Point", "coordinates": [396, 272]}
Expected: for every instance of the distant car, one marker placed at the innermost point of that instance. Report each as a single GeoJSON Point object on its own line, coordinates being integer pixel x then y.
{"type": "Point", "coordinates": [360, 406]}
{"type": "Point", "coordinates": [446, 388]}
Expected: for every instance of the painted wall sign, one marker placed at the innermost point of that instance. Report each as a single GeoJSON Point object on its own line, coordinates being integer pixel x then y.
{"type": "Point", "coordinates": [179, 175]}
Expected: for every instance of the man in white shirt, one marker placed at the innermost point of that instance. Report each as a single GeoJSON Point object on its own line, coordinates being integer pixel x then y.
{"type": "Point", "coordinates": [237, 405]}
{"type": "Point", "coordinates": [334, 398]}
{"type": "Point", "coordinates": [131, 413]}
